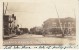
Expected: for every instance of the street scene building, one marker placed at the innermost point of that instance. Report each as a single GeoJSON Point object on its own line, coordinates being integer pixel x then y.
{"type": "Point", "coordinates": [36, 23]}
{"type": "Point", "coordinates": [10, 27]}
{"type": "Point", "coordinates": [9, 24]}
{"type": "Point", "coordinates": [66, 24]}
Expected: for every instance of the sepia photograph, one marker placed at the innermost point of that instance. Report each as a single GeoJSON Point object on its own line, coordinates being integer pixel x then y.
{"type": "Point", "coordinates": [51, 22]}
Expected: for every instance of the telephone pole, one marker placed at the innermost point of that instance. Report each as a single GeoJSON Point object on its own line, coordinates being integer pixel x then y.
{"type": "Point", "coordinates": [3, 8]}
{"type": "Point", "coordinates": [59, 21]}
{"type": "Point", "coordinates": [6, 7]}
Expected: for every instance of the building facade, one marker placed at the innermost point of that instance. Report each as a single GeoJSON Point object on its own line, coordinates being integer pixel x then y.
{"type": "Point", "coordinates": [9, 24]}
{"type": "Point", "coordinates": [66, 25]}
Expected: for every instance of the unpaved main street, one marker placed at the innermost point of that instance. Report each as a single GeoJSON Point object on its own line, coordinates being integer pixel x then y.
{"type": "Point", "coordinates": [31, 39]}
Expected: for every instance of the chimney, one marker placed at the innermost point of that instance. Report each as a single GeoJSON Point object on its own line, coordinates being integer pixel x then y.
{"type": "Point", "coordinates": [12, 15]}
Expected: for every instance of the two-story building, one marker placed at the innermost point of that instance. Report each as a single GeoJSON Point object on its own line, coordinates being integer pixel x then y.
{"type": "Point", "coordinates": [66, 25]}
{"type": "Point", "coordinates": [9, 24]}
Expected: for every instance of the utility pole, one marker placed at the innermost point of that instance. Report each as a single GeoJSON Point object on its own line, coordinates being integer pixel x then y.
{"type": "Point", "coordinates": [59, 22]}
{"type": "Point", "coordinates": [6, 8]}
{"type": "Point", "coordinates": [75, 19]}
{"type": "Point", "coordinates": [74, 15]}
{"type": "Point", "coordinates": [3, 8]}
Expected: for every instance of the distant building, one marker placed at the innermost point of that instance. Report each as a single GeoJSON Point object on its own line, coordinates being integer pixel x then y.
{"type": "Point", "coordinates": [24, 30]}
{"type": "Point", "coordinates": [36, 30]}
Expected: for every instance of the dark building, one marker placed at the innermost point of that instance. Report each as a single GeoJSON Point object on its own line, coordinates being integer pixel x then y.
{"type": "Point", "coordinates": [36, 30]}
{"type": "Point", "coordinates": [9, 24]}
{"type": "Point", "coordinates": [24, 30]}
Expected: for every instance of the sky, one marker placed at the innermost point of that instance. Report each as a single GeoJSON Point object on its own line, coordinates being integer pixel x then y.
{"type": "Point", "coordinates": [34, 13]}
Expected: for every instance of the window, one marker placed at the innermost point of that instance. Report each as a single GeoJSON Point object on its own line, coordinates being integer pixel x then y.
{"type": "Point", "coordinates": [54, 24]}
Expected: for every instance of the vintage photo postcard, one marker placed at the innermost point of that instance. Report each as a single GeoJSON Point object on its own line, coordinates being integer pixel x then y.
{"type": "Point", "coordinates": [39, 23]}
